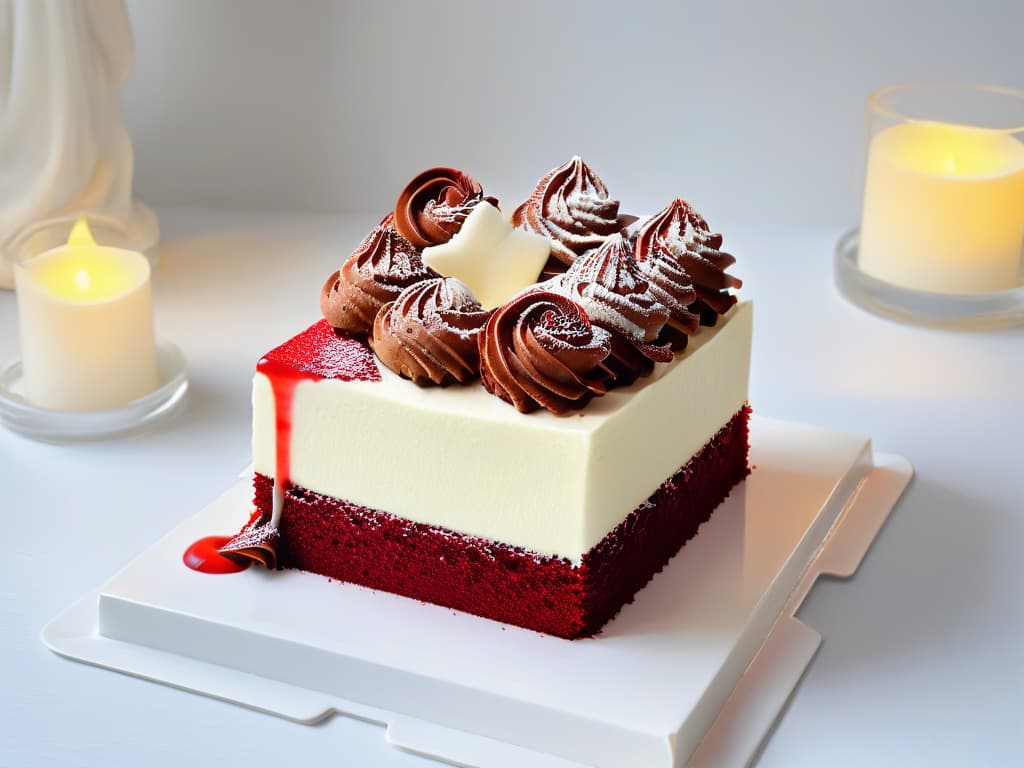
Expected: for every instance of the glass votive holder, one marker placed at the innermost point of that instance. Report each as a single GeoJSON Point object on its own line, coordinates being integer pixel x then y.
{"type": "Point", "coordinates": [90, 363]}
{"type": "Point", "coordinates": [140, 232]}
{"type": "Point", "coordinates": [942, 231]}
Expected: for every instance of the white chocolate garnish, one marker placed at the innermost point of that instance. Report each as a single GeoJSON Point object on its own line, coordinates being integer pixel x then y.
{"type": "Point", "coordinates": [494, 259]}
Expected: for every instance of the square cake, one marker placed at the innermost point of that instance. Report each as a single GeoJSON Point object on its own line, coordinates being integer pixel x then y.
{"type": "Point", "coordinates": [581, 406]}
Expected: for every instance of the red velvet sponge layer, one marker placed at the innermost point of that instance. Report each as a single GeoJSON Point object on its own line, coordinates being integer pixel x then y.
{"type": "Point", "coordinates": [349, 542]}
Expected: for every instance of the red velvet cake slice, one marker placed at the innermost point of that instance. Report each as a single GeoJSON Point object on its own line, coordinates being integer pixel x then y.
{"type": "Point", "coordinates": [564, 441]}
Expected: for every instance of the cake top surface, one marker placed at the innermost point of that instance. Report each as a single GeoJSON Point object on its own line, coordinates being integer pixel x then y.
{"type": "Point", "coordinates": [390, 386]}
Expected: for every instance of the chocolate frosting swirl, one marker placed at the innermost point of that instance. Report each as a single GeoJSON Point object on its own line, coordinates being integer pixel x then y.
{"type": "Point", "coordinates": [614, 293]}
{"type": "Point", "coordinates": [433, 206]}
{"type": "Point", "coordinates": [429, 333]}
{"type": "Point", "coordinates": [669, 283]}
{"type": "Point", "coordinates": [610, 287]}
{"type": "Point", "coordinates": [682, 234]}
{"type": "Point", "coordinates": [540, 350]}
{"type": "Point", "coordinates": [378, 270]}
{"type": "Point", "coordinates": [570, 206]}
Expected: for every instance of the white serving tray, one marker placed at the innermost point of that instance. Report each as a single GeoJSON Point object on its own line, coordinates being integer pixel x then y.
{"type": "Point", "coordinates": [695, 671]}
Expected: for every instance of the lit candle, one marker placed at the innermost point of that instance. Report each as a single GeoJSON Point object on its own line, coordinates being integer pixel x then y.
{"type": "Point", "coordinates": [944, 208]}
{"type": "Point", "coordinates": [86, 318]}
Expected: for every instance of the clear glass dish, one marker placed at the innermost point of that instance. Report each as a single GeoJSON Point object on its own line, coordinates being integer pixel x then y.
{"type": "Point", "coordinates": [19, 415]}
{"type": "Point", "coordinates": [975, 311]}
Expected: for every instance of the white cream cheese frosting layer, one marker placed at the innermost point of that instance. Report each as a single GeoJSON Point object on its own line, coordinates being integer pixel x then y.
{"type": "Point", "coordinates": [460, 458]}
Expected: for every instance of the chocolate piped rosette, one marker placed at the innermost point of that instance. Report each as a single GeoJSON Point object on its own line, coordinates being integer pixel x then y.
{"type": "Point", "coordinates": [434, 206]}
{"type": "Point", "coordinates": [565, 300]}
{"type": "Point", "coordinates": [377, 271]}
{"type": "Point", "coordinates": [571, 206]}
{"type": "Point", "coordinates": [608, 284]}
{"type": "Point", "coordinates": [678, 233]}
{"type": "Point", "coordinates": [540, 350]}
{"type": "Point", "coordinates": [429, 333]}
{"type": "Point", "coordinates": [669, 283]}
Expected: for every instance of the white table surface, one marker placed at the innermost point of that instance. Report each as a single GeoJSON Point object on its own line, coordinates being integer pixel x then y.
{"type": "Point", "coordinates": [923, 659]}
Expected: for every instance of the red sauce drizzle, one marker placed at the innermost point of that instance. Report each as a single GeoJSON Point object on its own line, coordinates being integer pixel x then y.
{"type": "Point", "coordinates": [203, 556]}
{"type": "Point", "coordinates": [316, 353]}
{"type": "Point", "coordinates": [283, 379]}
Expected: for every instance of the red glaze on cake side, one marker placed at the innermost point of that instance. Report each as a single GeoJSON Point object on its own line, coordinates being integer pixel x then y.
{"type": "Point", "coordinates": [283, 381]}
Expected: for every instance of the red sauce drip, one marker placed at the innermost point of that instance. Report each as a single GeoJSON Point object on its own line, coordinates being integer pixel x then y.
{"type": "Point", "coordinates": [284, 379]}
{"type": "Point", "coordinates": [203, 556]}
{"type": "Point", "coordinates": [316, 353]}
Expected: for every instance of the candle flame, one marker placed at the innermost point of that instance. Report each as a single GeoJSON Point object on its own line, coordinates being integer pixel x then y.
{"type": "Point", "coordinates": [81, 234]}
{"type": "Point", "coordinates": [84, 272]}
{"type": "Point", "coordinates": [84, 244]}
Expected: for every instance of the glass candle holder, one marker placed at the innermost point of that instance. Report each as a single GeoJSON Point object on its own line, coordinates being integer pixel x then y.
{"type": "Point", "coordinates": [90, 363]}
{"type": "Point", "coordinates": [942, 231]}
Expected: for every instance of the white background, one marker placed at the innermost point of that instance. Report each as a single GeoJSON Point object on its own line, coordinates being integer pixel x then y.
{"type": "Point", "coordinates": [754, 110]}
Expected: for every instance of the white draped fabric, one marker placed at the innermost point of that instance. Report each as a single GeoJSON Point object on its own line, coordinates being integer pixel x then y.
{"type": "Point", "coordinates": [63, 146]}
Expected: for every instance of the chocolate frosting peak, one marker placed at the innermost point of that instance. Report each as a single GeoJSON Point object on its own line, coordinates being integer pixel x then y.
{"type": "Point", "coordinates": [571, 207]}
{"type": "Point", "coordinates": [540, 350]}
{"type": "Point", "coordinates": [429, 333]}
{"type": "Point", "coordinates": [680, 233]}
{"type": "Point", "coordinates": [611, 288]}
{"type": "Point", "coordinates": [669, 283]}
{"type": "Point", "coordinates": [615, 294]}
{"type": "Point", "coordinates": [377, 271]}
{"type": "Point", "coordinates": [433, 206]}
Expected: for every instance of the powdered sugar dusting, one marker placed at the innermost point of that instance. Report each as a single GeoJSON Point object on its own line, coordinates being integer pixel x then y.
{"type": "Point", "coordinates": [394, 261]}
{"type": "Point", "coordinates": [570, 206]}
{"type": "Point", "coordinates": [443, 305]}
{"type": "Point", "coordinates": [428, 334]}
{"type": "Point", "coordinates": [448, 214]}
{"type": "Point", "coordinates": [612, 290]}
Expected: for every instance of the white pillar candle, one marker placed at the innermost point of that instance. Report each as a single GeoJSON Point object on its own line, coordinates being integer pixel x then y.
{"type": "Point", "coordinates": [86, 318]}
{"type": "Point", "coordinates": [944, 208]}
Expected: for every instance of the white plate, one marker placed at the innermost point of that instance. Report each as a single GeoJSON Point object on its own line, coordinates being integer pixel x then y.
{"type": "Point", "coordinates": [645, 692]}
